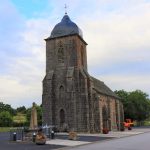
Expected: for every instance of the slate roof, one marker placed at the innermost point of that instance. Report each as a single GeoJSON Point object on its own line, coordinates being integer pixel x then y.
{"type": "Point", "coordinates": [100, 87]}
{"type": "Point", "coordinates": [65, 27]}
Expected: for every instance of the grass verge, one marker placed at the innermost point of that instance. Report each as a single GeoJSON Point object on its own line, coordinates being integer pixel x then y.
{"type": "Point", "coordinates": [4, 129]}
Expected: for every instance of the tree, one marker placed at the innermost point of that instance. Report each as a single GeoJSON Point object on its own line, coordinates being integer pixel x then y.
{"type": "Point", "coordinates": [5, 119]}
{"type": "Point", "coordinates": [21, 109]}
{"type": "Point", "coordinates": [141, 104]}
{"type": "Point", "coordinates": [7, 107]}
{"type": "Point", "coordinates": [128, 112]}
{"type": "Point", "coordinates": [136, 104]}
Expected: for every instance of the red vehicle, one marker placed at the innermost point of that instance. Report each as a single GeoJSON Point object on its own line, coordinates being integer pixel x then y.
{"type": "Point", "coordinates": [128, 124]}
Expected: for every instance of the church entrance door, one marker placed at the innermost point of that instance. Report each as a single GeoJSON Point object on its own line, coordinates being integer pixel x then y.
{"type": "Point", "coordinates": [105, 117]}
{"type": "Point", "coordinates": [63, 125]}
{"type": "Point", "coordinates": [62, 116]}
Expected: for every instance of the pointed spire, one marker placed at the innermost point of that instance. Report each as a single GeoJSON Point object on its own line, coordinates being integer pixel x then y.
{"type": "Point", "coordinates": [65, 9]}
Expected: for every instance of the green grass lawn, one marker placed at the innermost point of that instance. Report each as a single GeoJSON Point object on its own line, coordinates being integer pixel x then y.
{"type": "Point", "coordinates": [147, 123]}
{"type": "Point", "coordinates": [19, 118]}
{"type": "Point", "coordinates": [5, 129]}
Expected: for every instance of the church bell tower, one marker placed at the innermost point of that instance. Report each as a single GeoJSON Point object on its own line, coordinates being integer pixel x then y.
{"type": "Point", "coordinates": [65, 91]}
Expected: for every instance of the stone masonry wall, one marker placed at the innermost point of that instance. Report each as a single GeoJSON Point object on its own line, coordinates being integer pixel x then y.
{"type": "Point", "coordinates": [69, 100]}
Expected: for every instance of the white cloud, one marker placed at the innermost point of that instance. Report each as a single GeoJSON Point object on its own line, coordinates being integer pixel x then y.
{"type": "Point", "coordinates": [128, 82]}
{"type": "Point", "coordinates": [22, 59]}
{"type": "Point", "coordinates": [17, 94]}
{"type": "Point", "coordinates": [24, 83]}
{"type": "Point", "coordinates": [119, 37]}
{"type": "Point", "coordinates": [117, 34]}
{"type": "Point", "coordinates": [119, 44]}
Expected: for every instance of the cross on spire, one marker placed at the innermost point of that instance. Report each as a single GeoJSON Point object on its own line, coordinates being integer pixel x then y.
{"type": "Point", "coordinates": [65, 9]}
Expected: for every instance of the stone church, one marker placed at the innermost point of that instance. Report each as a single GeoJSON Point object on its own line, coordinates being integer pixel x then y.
{"type": "Point", "coordinates": [72, 99]}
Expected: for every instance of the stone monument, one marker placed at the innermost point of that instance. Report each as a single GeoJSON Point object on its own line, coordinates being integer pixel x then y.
{"type": "Point", "coordinates": [33, 120]}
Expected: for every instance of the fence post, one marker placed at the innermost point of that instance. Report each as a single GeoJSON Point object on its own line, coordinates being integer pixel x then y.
{"type": "Point", "coordinates": [34, 136]}
{"type": "Point", "coordinates": [14, 136]}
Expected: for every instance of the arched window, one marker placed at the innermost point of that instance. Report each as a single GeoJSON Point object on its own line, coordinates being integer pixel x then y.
{"type": "Point", "coordinates": [60, 55]}
{"type": "Point", "coordinates": [61, 92]}
{"type": "Point", "coordinates": [105, 117]}
{"type": "Point", "coordinates": [82, 56]}
{"type": "Point", "coordinates": [62, 116]}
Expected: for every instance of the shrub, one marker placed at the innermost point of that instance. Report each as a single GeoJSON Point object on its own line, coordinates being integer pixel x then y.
{"type": "Point", "coordinates": [5, 119]}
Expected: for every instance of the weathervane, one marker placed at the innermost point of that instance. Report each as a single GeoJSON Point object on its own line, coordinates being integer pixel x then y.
{"type": "Point", "coordinates": [65, 9]}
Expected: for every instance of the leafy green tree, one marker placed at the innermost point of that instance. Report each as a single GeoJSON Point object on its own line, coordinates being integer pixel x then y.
{"type": "Point", "coordinates": [7, 107]}
{"type": "Point", "coordinates": [136, 104]}
{"type": "Point", "coordinates": [5, 119]}
{"type": "Point", "coordinates": [127, 104]}
{"type": "Point", "coordinates": [21, 109]}
{"type": "Point", "coordinates": [141, 103]}
{"type": "Point", "coordinates": [39, 114]}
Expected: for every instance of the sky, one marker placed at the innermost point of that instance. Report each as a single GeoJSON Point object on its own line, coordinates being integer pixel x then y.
{"type": "Point", "coordinates": [117, 33]}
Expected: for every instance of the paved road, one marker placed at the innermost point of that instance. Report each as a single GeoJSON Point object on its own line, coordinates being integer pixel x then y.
{"type": "Point", "coordinates": [5, 144]}
{"type": "Point", "coordinates": [136, 142]}
{"type": "Point", "coordinates": [84, 138]}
